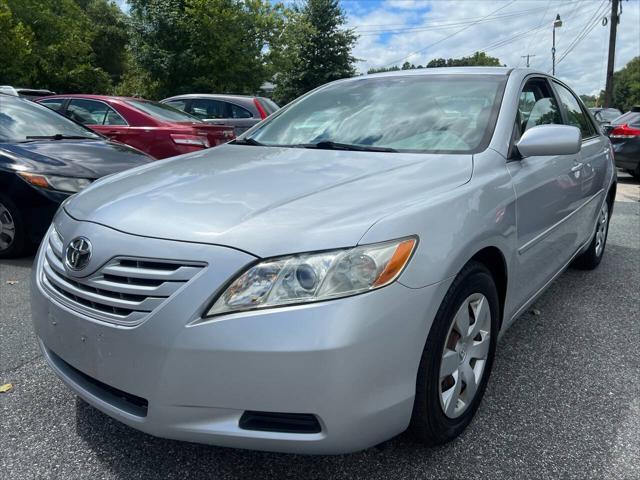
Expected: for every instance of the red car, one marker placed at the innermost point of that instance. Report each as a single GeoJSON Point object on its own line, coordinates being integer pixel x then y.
{"type": "Point", "coordinates": [157, 129]}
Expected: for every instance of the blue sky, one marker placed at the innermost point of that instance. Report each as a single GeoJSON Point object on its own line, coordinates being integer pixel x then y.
{"type": "Point", "coordinates": [394, 31]}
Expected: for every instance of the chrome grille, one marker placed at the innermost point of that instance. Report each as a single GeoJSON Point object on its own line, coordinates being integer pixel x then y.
{"type": "Point", "coordinates": [124, 290]}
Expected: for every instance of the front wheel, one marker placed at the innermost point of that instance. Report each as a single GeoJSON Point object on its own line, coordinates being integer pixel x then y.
{"type": "Point", "coordinates": [592, 257]}
{"type": "Point", "coordinates": [457, 358]}
{"type": "Point", "coordinates": [12, 236]}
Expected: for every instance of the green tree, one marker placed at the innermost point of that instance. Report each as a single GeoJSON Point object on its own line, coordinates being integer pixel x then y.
{"type": "Point", "coordinates": [110, 36]}
{"type": "Point", "coordinates": [62, 36]}
{"type": "Point", "coordinates": [16, 54]}
{"type": "Point", "coordinates": [478, 59]}
{"type": "Point", "coordinates": [203, 45]}
{"type": "Point", "coordinates": [320, 48]}
{"type": "Point", "coordinates": [589, 100]}
{"type": "Point", "coordinates": [626, 86]}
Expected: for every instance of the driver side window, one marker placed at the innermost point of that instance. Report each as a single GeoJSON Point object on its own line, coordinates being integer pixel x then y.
{"type": "Point", "coordinates": [536, 106]}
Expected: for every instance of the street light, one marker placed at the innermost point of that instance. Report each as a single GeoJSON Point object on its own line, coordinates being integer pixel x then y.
{"type": "Point", "coordinates": [557, 23]}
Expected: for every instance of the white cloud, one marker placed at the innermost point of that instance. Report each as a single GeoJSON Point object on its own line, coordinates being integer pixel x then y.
{"type": "Point", "coordinates": [434, 21]}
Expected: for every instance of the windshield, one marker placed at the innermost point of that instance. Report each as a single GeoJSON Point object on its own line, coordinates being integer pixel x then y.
{"type": "Point", "coordinates": [608, 115]}
{"type": "Point", "coordinates": [20, 120]}
{"type": "Point", "coordinates": [416, 113]}
{"type": "Point", "coordinates": [163, 112]}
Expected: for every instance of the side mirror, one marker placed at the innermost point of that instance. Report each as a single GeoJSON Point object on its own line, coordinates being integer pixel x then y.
{"type": "Point", "coordinates": [546, 140]}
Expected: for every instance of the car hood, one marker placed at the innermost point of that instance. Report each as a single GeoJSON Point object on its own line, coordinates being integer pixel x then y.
{"type": "Point", "coordinates": [75, 158]}
{"type": "Point", "coordinates": [267, 200]}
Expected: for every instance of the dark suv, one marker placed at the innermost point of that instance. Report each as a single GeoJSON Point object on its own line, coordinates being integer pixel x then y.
{"type": "Point", "coordinates": [239, 111]}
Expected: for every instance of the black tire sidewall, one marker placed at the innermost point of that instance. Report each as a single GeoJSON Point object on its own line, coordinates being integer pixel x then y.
{"type": "Point", "coordinates": [18, 245]}
{"type": "Point", "coordinates": [429, 421]}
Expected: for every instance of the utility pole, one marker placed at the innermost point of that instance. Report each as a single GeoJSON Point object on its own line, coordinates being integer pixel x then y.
{"type": "Point", "coordinates": [608, 89]}
{"type": "Point", "coordinates": [527, 57]}
{"type": "Point", "coordinates": [557, 23]}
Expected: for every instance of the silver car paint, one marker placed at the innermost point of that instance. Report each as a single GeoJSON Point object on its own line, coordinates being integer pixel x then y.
{"type": "Point", "coordinates": [353, 361]}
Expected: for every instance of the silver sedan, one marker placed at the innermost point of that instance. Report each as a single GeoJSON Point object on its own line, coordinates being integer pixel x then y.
{"type": "Point", "coordinates": [338, 274]}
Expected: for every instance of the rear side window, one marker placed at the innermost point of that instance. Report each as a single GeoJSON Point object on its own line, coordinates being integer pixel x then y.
{"type": "Point", "coordinates": [239, 112]}
{"type": "Point", "coordinates": [207, 108]}
{"type": "Point", "coordinates": [53, 103]}
{"type": "Point", "coordinates": [179, 104]}
{"type": "Point", "coordinates": [575, 115]}
{"type": "Point", "coordinates": [537, 106]}
{"type": "Point", "coordinates": [90, 112]}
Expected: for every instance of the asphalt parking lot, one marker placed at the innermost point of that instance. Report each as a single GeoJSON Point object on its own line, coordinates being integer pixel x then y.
{"type": "Point", "coordinates": [563, 400]}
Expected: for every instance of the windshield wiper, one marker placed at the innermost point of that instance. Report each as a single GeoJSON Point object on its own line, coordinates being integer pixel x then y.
{"type": "Point", "coordinates": [248, 141]}
{"type": "Point", "coordinates": [329, 145]}
{"type": "Point", "coordinates": [59, 136]}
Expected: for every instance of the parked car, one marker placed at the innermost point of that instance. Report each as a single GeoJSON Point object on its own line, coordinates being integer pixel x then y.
{"type": "Point", "coordinates": [152, 127]}
{"type": "Point", "coordinates": [624, 133]}
{"type": "Point", "coordinates": [45, 158]}
{"type": "Point", "coordinates": [338, 274]}
{"type": "Point", "coordinates": [240, 111]}
{"type": "Point", "coordinates": [28, 93]}
{"type": "Point", "coordinates": [604, 116]}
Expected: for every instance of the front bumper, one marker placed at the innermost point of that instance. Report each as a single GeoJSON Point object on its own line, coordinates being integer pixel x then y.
{"type": "Point", "coordinates": [352, 363]}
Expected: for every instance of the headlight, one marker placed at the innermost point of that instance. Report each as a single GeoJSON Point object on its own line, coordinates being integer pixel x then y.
{"type": "Point", "coordinates": [55, 182]}
{"type": "Point", "coordinates": [311, 277]}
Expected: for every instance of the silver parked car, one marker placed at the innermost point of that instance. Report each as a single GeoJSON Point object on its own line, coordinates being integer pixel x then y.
{"type": "Point", "coordinates": [239, 111]}
{"type": "Point", "coordinates": [339, 274]}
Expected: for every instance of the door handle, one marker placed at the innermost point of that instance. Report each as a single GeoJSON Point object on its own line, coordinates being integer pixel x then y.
{"type": "Point", "coordinates": [577, 166]}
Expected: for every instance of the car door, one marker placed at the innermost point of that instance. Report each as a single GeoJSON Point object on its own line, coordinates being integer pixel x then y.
{"type": "Point", "coordinates": [594, 162]}
{"type": "Point", "coordinates": [100, 117]}
{"type": "Point", "coordinates": [547, 190]}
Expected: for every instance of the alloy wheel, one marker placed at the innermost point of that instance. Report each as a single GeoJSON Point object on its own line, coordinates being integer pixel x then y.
{"type": "Point", "coordinates": [601, 229]}
{"type": "Point", "coordinates": [7, 228]}
{"type": "Point", "coordinates": [465, 355]}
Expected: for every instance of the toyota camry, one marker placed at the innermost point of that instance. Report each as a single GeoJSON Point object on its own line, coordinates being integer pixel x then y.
{"type": "Point", "coordinates": [336, 275]}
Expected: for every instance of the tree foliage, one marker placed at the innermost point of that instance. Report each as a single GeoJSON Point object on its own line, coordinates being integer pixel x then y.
{"type": "Point", "coordinates": [204, 45]}
{"type": "Point", "coordinates": [478, 59]}
{"type": "Point", "coordinates": [626, 86]}
{"type": "Point", "coordinates": [61, 44]}
{"type": "Point", "coordinates": [317, 49]}
{"type": "Point", "coordinates": [16, 55]}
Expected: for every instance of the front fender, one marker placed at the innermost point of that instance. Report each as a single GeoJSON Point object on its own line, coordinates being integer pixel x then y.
{"type": "Point", "coordinates": [454, 225]}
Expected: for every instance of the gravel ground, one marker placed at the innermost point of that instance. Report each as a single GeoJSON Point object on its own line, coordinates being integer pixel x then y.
{"type": "Point", "coordinates": [563, 400]}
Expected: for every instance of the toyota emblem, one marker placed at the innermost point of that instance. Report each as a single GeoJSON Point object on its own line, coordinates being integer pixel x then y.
{"type": "Point", "coordinates": [78, 253]}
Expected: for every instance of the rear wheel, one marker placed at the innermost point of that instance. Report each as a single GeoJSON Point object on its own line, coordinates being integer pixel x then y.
{"type": "Point", "coordinates": [592, 257]}
{"type": "Point", "coordinates": [12, 235]}
{"type": "Point", "coordinates": [457, 358]}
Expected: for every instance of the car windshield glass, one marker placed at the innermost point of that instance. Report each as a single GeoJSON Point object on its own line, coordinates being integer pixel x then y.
{"type": "Point", "coordinates": [609, 115]}
{"type": "Point", "coordinates": [162, 112]}
{"type": "Point", "coordinates": [415, 113]}
{"type": "Point", "coordinates": [22, 120]}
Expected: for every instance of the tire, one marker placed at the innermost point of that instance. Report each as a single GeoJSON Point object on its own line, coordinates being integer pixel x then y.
{"type": "Point", "coordinates": [634, 173]}
{"type": "Point", "coordinates": [592, 257]}
{"type": "Point", "coordinates": [13, 241]}
{"type": "Point", "coordinates": [436, 421]}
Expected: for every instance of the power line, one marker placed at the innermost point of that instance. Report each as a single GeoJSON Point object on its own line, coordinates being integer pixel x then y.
{"type": "Point", "coordinates": [437, 26]}
{"type": "Point", "coordinates": [506, 41]}
{"type": "Point", "coordinates": [589, 26]}
{"type": "Point", "coordinates": [447, 37]}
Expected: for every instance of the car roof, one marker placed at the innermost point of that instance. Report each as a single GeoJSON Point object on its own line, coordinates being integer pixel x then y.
{"type": "Point", "coordinates": [92, 97]}
{"type": "Point", "coordinates": [228, 96]}
{"type": "Point", "coordinates": [450, 71]}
